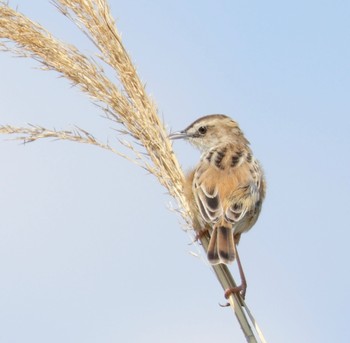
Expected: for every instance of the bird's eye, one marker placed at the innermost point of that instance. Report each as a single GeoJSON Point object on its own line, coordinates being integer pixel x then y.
{"type": "Point", "coordinates": [202, 130]}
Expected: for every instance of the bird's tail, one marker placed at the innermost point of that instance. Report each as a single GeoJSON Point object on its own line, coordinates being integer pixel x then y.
{"type": "Point", "coordinates": [221, 246]}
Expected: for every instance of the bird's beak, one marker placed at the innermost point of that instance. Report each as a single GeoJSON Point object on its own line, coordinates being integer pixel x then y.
{"type": "Point", "coordinates": [178, 135]}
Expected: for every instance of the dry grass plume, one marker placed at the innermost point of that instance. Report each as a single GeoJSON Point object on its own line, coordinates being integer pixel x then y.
{"type": "Point", "coordinates": [128, 106]}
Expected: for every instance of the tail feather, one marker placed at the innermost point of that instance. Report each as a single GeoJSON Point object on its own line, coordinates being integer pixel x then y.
{"type": "Point", "coordinates": [221, 246]}
{"type": "Point", "coordinates": [225, 244]}
{"type": "Point", "coordinates": [213, 255]}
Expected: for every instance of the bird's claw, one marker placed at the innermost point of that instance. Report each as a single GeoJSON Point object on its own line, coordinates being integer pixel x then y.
{"type": "Point", "coordinates": [241, 290]}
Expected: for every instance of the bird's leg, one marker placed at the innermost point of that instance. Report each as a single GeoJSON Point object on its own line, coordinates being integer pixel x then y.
{"type": "Point", "coordinates": [242, 288]}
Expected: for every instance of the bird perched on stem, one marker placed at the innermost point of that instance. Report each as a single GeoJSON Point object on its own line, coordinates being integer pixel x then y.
{"type": "Point", "coordinates": [226, 189]}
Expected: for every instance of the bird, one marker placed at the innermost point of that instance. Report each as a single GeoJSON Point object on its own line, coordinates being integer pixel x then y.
{"type": "Point", "coordinates": [225, 190]}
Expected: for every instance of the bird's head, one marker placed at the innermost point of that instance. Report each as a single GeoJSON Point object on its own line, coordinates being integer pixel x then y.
{"type": "Point", "coordinates": [210, 131]}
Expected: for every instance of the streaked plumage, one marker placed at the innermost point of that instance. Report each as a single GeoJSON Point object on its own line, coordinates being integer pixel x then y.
{"type": "Point", "coordinates": [227, 187]}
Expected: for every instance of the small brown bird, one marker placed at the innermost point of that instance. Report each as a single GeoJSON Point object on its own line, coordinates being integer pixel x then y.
{"type": "Point", "coordinates": [226, 189]}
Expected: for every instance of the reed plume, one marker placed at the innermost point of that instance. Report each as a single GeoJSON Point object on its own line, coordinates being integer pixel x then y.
{"type": "Point", "coordinates": [128, 106]}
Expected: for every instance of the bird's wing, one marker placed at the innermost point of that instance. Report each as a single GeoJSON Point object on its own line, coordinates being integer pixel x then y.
{"type": "Point", "coordinates": [247, 197]}
{"type": "Point", "coordinates": [226, 194]}
{"type": "Point", "coordinates": [206, 193]}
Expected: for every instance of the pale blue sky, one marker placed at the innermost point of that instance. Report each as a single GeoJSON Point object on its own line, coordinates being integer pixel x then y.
{"type": "Point", "coordinates": [89, 251]}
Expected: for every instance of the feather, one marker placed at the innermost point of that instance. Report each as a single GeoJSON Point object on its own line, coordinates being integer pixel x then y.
{"type": "Point", "coordinates": [213, 256]}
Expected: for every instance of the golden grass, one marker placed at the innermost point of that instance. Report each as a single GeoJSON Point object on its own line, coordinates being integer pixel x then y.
{"type": "Point", "coordinates": [135, 111]}
{"type": "Point", "coordinates": [128, 107]}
